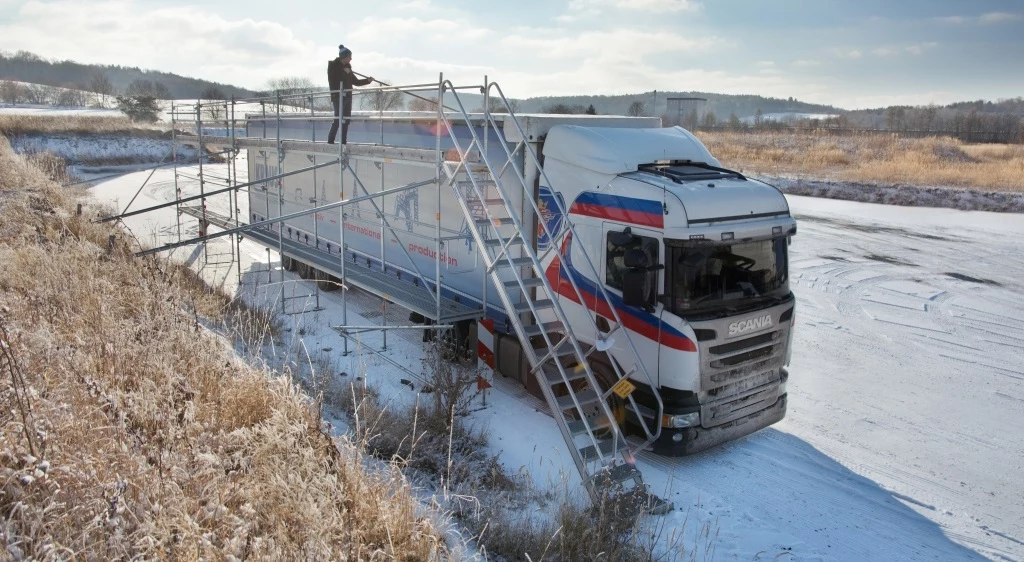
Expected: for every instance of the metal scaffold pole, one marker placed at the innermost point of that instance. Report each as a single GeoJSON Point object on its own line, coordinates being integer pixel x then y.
{"type": "Point", "coordinates": [437, 217]}
{"type": "Point", "coordinates": [280, 202]}
{"type": "Point", "coordinates": [383, 257]}
{"type": "Point", "coordinates": [315, 201]}
{"type": "Point", "coordinates": [174, 159]}
{"type": "Point", "coordinates": [342, 164]}
{"type": "Point", "coordinates": [236, 240]}
{"type": "Point", "coordinates": [202, 187]}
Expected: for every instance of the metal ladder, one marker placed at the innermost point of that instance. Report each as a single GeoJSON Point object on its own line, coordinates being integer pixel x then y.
{"type": "Point", "coordinates": [560, 362]}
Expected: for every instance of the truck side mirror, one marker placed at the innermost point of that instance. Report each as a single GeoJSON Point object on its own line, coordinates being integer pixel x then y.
{"type": "Point", "coordinates": [624, 238]}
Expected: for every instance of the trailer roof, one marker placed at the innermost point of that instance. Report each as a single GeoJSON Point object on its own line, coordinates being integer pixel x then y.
{"type": "Point", "coordinates": [614, 151]}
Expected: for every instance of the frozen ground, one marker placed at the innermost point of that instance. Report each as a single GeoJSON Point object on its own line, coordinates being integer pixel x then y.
{"type": "Point", "coordinates": [902, 440]}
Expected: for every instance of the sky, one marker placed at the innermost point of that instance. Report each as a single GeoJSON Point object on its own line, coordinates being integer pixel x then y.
{"type": "Point", "coordinates": [848, 53]}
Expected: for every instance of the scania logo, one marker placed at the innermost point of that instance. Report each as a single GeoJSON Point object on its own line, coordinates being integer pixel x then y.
{"type": "Point", "coordinates": [750, 325]}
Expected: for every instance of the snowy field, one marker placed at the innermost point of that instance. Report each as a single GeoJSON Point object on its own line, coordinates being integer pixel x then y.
{"type": "Point", "coordinates": [902, 440]}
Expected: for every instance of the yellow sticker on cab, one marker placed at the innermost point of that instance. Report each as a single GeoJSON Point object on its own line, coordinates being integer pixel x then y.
{"type": "Point", "coordinates": [623, 388]}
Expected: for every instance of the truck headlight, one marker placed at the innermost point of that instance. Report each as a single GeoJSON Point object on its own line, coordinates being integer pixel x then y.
{"type": "Point", "coordinates": [680, 421]}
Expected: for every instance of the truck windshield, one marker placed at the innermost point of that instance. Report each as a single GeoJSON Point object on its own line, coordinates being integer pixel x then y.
{"type": "Point", "coordinates": [702, 276]}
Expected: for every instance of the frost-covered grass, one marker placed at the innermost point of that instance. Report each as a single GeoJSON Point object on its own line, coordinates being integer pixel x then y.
{"type": "Point", "coordinates": [12, 125]}
{"type": "Point", "coordinates": [872, 158]}
{"type": "Point", "coordinates": [129, 431]}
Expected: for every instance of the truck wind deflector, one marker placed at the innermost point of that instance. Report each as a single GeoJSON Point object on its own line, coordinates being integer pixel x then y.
{"type": "Point", "coordinates": [671, 171]}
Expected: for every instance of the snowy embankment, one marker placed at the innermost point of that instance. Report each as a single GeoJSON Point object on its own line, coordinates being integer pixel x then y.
{"type": "Point", "coordinates": [903, 195]}
{"type": "Point", "coordinates": [103, 150]}
{"type": "Point", "coordinates": [902, 439]}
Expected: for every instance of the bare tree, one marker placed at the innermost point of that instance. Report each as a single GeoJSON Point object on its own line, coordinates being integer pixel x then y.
{"type": "Point", "coordinates": [161, 91]}
{"type": "Point", "coordinates": [293, 89]}
{"type": "Point", "coordinates": [387, 100]}
{"type": "Point", "coordinates": [71, 96]}
{"type": "Point", "coordinates": [420, 104]}
{"type": "Point", "coordinates": [11, 92]}
{"type": "Point", "coordinates": [564, 109]}
{"type": "Point", "coordinates": [99, 83]}
{"type": "Point", "coordinates": [636, 109]}
{"type": "Point", "coordinates": [212, 98]}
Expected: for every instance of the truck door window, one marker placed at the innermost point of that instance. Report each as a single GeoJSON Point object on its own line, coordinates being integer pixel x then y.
{"type": "Point", "coordinates": [615, 266]}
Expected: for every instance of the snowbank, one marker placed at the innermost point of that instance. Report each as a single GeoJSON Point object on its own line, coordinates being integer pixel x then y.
{"type": "Point", "coordinates": [102, 149]}
{"type": "Point", "coordinates": [904, 195]}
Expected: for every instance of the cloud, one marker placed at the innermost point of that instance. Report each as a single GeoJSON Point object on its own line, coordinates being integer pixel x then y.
{"type": "Point", "coordinates": [619, 44]}
{"type": "Point", "coordinates": [374, 30]}
{"type": "Point", "coordinates": [805, 63]}
{"type": "Point", "coordinates": [648, 6]}
{"type": "Point", "coordinates": [853, 54]}
{"type": "Point", "coordinates": [185, 40]}
{"type": "Point", "coordinates": [920, 47]}
{"type": "Point", "coordinates": [915, 49]}
{"type": "Point", "coordinates": [984, 19]}
{"type": "Point", "coordinates": [999, 17]}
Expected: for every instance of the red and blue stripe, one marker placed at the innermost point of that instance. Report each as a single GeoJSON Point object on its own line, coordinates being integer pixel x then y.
{"type": "Point", "coordinates": [641, 212]}
{"type": "Point", "coordinates": [633, 318]}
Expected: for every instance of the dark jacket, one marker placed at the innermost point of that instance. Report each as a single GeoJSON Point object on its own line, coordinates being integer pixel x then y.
{"type": "Point", "coordinates": [340, 76]}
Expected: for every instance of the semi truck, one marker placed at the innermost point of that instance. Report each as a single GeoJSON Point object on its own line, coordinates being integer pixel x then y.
{"type": "Point", "coordinates": [687, 292]}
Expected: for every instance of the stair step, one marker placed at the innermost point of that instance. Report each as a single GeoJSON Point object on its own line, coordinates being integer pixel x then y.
{"type": "Point", "coordinates": [515, 262]}
{"type": "Point", "coordinates": [616, 474]}
{"type": "Point", "coordinates": [498, 201]}
{"type": "Point", "coordinates": [503, 221]}
{"type": "Point", "coordinates": [497, 242]}
{"type": "Point", "coordinates": [562, 349]}
{"type": "Point", "coordinates": [584, 397]}
{"type": "Point", "coordinates": [577, 427]}
{"type": "Point", "coordinates": [528, 283]}
{"type": "Point", "coordinates": [538, 329]}
{"type": "Point", "coordinates": [538, 305]}
{"type": "Point", "coordinates": [553, 377]}
{"type": "Point", "coordinates": [589, 453]}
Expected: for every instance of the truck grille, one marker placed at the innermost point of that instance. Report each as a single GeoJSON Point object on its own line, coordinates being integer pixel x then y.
{"type": "Point", "coordinates": [725, 411]}
{"type": "Point", "coordinates": [741, 377]}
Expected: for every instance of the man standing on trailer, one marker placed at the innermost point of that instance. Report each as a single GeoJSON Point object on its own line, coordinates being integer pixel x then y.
{"type": "Point", "coordinates": [340, 78]}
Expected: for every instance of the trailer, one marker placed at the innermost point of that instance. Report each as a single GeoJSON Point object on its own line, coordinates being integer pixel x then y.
{"type": "Point", "coordinates": [612, 266]}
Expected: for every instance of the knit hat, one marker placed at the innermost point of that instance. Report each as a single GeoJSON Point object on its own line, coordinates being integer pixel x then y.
{"type": "Point", "coordinates": [344, 51]}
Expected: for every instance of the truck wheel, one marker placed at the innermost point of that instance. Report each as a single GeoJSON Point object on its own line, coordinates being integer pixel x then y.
{"type": "Point", "coordinates": [288, 263]}
{"type": "Point", "coordinates": [325, 281]}
{"type": "Point", "coordinates": [604, 373]}
{"type": "Point", "coordinates": [305, 271]}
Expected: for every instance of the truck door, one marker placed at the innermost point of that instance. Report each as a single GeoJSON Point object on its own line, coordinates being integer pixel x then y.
{"type": "Point", "coordinates": [643, 322]}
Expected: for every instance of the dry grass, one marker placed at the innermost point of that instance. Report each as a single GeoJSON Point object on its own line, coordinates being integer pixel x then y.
{"type": "Point", "coordinates": [127, 432]}
{"type": "Point", "coordinates": [15, 125]}
{"type": "Point", "coordinates": [872, 158]}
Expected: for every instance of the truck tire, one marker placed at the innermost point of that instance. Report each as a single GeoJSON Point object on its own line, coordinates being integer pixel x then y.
{"type": "Point", "coordinates": [604, 373]}
{"type": "Point", "coordinates": [325, 281]}
{"type": "Point", "coordinates": [305, 271]}
{"type": "Point", "coordinates": [288, 262]}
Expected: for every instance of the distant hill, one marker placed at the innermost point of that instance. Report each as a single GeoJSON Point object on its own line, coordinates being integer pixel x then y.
{"type": "Point", "coordinates": [722, 104]}
{"type": "Point", "coordinates": [24, 66]}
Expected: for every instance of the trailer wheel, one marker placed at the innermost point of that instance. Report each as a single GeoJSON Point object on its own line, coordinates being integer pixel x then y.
{"type": "Point", "coordinates": [305, 271]}
{"type": "Point", "coordinates": [325, 281]}
{"type": "Point", "coordinates": [288, 263]}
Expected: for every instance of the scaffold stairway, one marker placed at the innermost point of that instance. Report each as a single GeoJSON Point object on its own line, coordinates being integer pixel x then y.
{"type": "Point", "coordinates": [559, 361]}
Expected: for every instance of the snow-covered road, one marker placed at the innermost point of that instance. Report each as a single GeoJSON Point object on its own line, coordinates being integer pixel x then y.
{"type": "Point", "coordinates": [903, 439]}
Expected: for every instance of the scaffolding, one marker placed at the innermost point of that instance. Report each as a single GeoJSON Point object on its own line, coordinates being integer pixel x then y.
{"type": "Point", "coordinates": [470, 161]}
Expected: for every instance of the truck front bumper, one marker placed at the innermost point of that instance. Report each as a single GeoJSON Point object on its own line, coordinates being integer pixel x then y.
{"type": "Point", "coordinates": [690, 440]}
